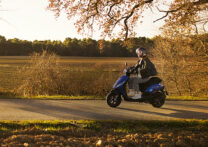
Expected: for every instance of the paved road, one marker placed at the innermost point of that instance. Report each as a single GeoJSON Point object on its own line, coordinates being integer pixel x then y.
{"type": "Point", "coordinates": [23, 109]}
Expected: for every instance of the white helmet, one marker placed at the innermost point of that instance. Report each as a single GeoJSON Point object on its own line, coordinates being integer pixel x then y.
{"type": "Point", "coordinates": [141, 50]}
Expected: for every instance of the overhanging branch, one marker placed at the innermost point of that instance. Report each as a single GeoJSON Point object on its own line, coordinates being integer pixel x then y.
{"type": "Point", "coordinates": [167, 12]}
{"type": "Point", "coordinates": [196, 3]}
{"type": "Point", "coordinates": [130, 15]}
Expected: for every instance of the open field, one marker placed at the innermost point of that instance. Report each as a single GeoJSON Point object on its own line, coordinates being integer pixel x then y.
{"type": "Point", "coordinates": [87, 77]}
{"type": "Point", "coordinates": [10, 65]}
{"type": "Point", "coordinates": [104, 133]}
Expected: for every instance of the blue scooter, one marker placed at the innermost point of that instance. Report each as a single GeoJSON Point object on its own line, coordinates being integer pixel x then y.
{"type": "Point", "coordinates": [153, 92]}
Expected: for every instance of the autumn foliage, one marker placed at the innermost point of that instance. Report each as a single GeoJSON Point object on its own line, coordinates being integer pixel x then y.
{"type": "Point", "coordinates": [123, 15]}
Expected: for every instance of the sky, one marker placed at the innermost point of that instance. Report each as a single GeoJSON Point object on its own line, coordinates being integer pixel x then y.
{"type": "Point", "coordinates": [30, 20]}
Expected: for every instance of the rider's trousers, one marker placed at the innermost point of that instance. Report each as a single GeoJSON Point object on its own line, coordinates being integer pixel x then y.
{"type": "Point", "coordinates": [134, 82]}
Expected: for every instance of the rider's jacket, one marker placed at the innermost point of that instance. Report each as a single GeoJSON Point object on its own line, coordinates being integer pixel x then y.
{"type": "Point", "coordinates": [145, 68]}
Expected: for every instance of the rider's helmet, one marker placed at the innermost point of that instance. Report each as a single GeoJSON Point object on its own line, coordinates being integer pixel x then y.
{"type": "Point", "coordinates": [142, 51]}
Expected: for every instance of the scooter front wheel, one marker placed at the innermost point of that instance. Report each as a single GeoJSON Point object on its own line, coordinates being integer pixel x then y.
{"type": "Point", "coordinates": [113, 99]}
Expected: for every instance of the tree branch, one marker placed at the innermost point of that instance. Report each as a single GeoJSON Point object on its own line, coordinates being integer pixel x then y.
{"type": "Point", "coordinates": [199, 2]}
{"type": "Point", "coordinates": [109, 15]}
{"type": "Point", "coordinates": [204, 26]}
{"type": "Point", "coordinates": [167, 12]}
{"type": "Point", "coordinates": [132, 12]}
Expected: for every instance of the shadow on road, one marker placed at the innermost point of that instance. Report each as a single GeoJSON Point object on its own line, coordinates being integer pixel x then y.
{"type": "Point", "coordinates": [185, 114]}
{"type": "Point", "coordinates": [189, 105]}
{"type": "Point", "coordinates": [71, 111]}
{"type": "Point", "coordinates": [63, 112]}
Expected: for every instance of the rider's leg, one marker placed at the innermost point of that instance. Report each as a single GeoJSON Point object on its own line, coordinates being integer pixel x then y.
{"type": "Point", "coordinates": [131, 86]}
{"type": "Point", "coordinates": [140, 80]}
{"type": "Point", "coordinates": [136, 84]}
{"type": "Point", "coordinates": [136, 88]}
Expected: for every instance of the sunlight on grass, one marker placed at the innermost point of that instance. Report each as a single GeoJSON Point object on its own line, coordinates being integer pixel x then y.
{"type": "Point", "coordinates": [115, 126]}
{"type": "Point", "coordinates": [87, 97]}
{"type": "Point", "coordinates": [189, 98]}
{"type": "Point", "coordinates": [4, 129]}
{"type": "Point", "coordinates": [64, 97]}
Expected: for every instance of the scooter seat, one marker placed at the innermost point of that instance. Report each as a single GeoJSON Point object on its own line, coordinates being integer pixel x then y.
{"type": "Point", "coordinates": [153, 80]}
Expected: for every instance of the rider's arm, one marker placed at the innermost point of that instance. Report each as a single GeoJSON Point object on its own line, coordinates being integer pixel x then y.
{"type": "Point", "coordinates": [145, 69]}
{"type": "Point", "coordinates": [135, 67]}
{"type": "Point", "coordinates": [138, 65]}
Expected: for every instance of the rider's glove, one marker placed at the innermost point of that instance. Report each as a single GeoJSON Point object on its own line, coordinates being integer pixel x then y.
{"type": "Point", "coordinates": [125, 70]}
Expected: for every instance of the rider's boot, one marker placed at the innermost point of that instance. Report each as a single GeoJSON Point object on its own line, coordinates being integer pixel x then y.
{"type": "Point", "coordinates": [137, 96]}
{"type": "Point", "coordinates": [131, 92]}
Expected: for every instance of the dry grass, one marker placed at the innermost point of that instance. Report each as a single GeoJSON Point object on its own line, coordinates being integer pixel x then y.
{"type": "Point", "coordinates": [47, 74]}
{"type": "Point", "coordinates": [95, 76]}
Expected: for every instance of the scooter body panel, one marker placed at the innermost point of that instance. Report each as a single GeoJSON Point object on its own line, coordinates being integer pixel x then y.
{"type": "Point", "coordinates": [120, 84]}
{"type": "Point", "coordinates": [154, 88]}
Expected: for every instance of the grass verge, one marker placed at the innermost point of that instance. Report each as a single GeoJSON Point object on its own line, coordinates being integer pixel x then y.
{"type": "Point", "coordinates": [54, 97]}
{"type": "Point", "coordinates": [65, 97]}
{"type": "Point", "coordinates": [104, 133]}
{"type": "Point", "coordinates": [188, 98]}
{"type": "Point", "coordinates": [124, 126]}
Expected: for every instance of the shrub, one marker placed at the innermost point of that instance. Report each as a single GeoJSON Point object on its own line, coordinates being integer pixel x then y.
{"type": "Point", "coordinates": [41, 76]}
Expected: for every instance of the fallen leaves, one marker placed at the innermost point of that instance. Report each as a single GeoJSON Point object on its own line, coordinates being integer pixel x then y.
{"type": "Point", "coordinates": [64, 138]}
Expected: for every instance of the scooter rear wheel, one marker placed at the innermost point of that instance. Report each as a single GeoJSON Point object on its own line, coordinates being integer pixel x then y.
{"type": "Point", "coordinates": [159, 99]}
{"type": "Point", "coordinates": [113, 99]}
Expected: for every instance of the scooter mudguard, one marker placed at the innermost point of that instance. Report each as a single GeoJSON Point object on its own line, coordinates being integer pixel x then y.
{"type": "Point", "coordinates": [119, 84]}
{"type": "Point", "coordinates": [154, 87]}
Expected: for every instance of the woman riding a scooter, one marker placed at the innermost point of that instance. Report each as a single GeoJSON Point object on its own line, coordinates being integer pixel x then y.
{"type": "Point", "coordinates": [144, 70]}
{"type": "Point", "coordinates": [153, 91]}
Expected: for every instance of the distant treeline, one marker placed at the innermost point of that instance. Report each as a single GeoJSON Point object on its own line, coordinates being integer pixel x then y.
{"type": "Point", "coordinates": [75, 47]}
{"type": "Point", "coordinates": [92, 48]}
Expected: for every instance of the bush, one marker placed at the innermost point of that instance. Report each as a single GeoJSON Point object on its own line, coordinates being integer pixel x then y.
{"type": "Point", "coordinates": [41, 76]}
{"type": "Point", "coordinates": [44, 74]}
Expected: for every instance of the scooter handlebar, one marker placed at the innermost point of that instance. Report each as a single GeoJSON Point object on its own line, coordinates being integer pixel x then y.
{"type": "Point", "coordinates": [130, 70]}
